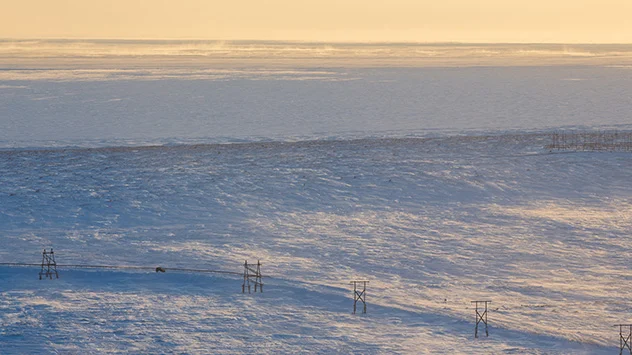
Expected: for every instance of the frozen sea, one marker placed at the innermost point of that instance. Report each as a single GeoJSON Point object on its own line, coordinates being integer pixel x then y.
{"type": "Point", "coordinates": [104, 93]}
{"type": "Point", "coordinates": [420, 167]}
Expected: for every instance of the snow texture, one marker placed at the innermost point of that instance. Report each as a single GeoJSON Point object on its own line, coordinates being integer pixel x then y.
{"type": "Point", "coordinates": [431, 182]}
{"type": "Point", "coordinates": [433, 223]}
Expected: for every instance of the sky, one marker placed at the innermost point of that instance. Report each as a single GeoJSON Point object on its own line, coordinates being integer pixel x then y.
{"type": "Point", "coordinates": [556, 21]}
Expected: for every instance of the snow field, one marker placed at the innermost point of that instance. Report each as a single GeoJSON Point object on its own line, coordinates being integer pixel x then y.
{"type": "Point", "coordinates": [433, 223]}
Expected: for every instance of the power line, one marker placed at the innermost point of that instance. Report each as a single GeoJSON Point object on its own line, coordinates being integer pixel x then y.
{"type": "Point", "coordinates": [125, 267]}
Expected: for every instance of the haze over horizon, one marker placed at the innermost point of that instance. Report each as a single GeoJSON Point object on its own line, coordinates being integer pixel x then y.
{"type": "Point", "coordinates": [486, 21]}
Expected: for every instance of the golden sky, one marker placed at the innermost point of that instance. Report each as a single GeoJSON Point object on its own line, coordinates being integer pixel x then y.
{"type": "Point", "coordinates": [568, 21]}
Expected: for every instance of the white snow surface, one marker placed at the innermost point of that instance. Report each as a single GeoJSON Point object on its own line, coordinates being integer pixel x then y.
{"type": "Point", "coordinates": [421, 168]}
{"type": "Point", "coordinates": [432, 223]}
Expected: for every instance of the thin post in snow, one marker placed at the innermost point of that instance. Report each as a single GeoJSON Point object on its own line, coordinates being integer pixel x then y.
{"type": "Point", "coordinates": [481, 317]}
{"type": "Point", "coordinates": [359, 295]}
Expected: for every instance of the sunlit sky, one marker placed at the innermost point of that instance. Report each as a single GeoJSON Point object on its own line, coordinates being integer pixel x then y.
{"type": "Point", "coordinates": [567, 21]}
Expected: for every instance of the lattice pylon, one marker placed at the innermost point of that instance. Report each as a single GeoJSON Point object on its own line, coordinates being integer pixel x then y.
{"type": "Point", "coordinates": [49, 266]}
{"type": "Point", "coordinates": [481, 317]}
{"type": "Point", "coordinates": [359, 295]}
{"type": "Point", "coordinates": [254, 275]}
{"type": "Point", "coordinates": [625, 338]}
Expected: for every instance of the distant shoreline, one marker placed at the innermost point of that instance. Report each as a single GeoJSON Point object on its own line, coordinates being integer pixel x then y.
{"type": "Point", "coordinates": [105, 53]}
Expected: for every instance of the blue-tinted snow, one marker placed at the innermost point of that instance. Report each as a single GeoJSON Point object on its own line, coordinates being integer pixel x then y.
{"type": "Point", "coordinates": [108, 93]}
{"type": "Point", "coordinates": [433, 223]}
{"type": "Point", "coordinates": [347, 103]}
{"type": "Point", "coordinates": [326, 179]}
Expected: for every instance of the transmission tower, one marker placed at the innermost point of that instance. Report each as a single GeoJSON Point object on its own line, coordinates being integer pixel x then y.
{"type": "Point", "coordinates": [252, 275]}
{"type": "Point", "coordinates": [49, 266]}
{"type": "Point", "coordinates": [359, 295]}
{"type": "Point", "coordinates": [624, 338]}
{"type": "Point", "coordinates": [481, 317]}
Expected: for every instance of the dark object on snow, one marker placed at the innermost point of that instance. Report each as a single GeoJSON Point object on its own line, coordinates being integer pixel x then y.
{"type": "Point", "coordinates": [359, 295]}
{"type": "Point", "coordinates": [481, 317]}
{"type": "Point", "coordinates": [624, 337]}
{"type": "Point", "coordinates": [251, 273]}
{"type": "Point", "coordinates": [49, 266]}
{"type": "Point", "coordinates": [159, 269]}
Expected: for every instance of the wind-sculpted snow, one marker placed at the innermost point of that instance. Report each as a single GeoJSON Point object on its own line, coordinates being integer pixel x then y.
{"type": "Point", "coordinates": [432, 223]}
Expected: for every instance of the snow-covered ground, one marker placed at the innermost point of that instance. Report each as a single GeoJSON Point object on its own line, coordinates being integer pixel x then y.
{"type": "Point", "coordinates": [421, 168]}
{"type": "Point", "coordinates": [432, 223]}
